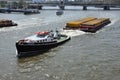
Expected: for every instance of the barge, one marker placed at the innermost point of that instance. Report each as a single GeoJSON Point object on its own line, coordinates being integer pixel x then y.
{"type": "Point", "coordinates": [31, 11]}
{"type": "Point", "coordinates": [76, 24]}
{"type": "Point", "coordinates": [94, 25]}
{"type": "Point", "coordinates": [7, 23]}
{"type": "Point", "coordinates": [40, 42]}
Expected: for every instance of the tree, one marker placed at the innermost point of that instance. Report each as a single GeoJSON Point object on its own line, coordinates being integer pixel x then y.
{"type": "Point", "coordinates": [21, 3]}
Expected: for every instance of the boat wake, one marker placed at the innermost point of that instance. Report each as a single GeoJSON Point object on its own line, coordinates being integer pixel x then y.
{"type": "Point", "coordinates": [112, 22]}
{"type": "Point", "coordinates": [72, 33]}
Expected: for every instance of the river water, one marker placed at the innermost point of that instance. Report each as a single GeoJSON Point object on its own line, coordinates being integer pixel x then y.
{"type": "Point", "coordinates": [87, 56]}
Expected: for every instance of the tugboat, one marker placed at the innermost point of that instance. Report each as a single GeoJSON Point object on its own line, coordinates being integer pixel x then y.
{"type": "Point", "coordinates": [7, 23]}
{"type": "Point", "coordinates": [40, 42]}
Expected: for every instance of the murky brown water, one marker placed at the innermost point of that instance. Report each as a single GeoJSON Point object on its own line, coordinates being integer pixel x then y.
{"type": "Point", "coordinates": [85, 57]}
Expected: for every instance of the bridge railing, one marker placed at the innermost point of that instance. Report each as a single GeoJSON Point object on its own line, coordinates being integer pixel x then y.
{"type": "Point", "coordinates": [81, 2]}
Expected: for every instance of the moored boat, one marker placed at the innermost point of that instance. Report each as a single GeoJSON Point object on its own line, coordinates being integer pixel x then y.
{"type": "Point", "coordinates": [76, 24]}
{"type": "Point", "coordinates": [59, 12]}
{"type": "Point", "coordinates": [40, 42]}
{"type": "Point", "coordinates": [31, 11]}
{"type": "Point", "coordinates": [94, 25]}
{"type": "Point", "coordinates": [7, 23]}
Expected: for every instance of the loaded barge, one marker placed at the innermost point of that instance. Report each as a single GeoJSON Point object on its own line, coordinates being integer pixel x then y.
{"type": "Point", "coordinates": [94, 25]}
{"type": "Point", "coordinates": [7, 23]}
{"type": "Point", "coordinates": [76, 24]}
{"type": "Point", "coordinates": [89, 24]}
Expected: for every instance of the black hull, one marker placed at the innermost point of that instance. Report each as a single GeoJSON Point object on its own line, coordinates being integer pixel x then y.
{"type": "Point", "coordinates": [93, 30]}
{"type": "Point", "coordinates": [59, 13]}
{"type": "Point", "coordinates": [7, 25]}
{"type": "Point", "coordinates": [31, 12]}
{"type": "Point", "coordinates": [27, 13]}
{"type": "Point", "coordinates": [33, 49]}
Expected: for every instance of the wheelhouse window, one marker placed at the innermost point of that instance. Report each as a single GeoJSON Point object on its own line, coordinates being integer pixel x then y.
{"type": "Point", "coordinates": [41, 36]}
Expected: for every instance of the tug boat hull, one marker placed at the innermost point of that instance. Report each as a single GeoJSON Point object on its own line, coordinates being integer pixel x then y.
{"type": "Point", "coordinates": [38, 48]}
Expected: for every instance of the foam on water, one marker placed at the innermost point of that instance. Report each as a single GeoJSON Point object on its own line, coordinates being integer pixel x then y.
{"type": "Point", "coordinates": [72, 33]}
{"type": "Point", "coordinates": [112, 22]}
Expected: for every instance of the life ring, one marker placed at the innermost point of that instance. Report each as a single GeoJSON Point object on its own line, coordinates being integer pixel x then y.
{"type": "Point", "coordinates": [41, 33]}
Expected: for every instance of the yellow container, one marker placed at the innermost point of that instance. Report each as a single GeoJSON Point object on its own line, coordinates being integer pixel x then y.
{"type": "Point", "coordinates": [73, 24]}
{"type": "Point", "coordinates": [96, 22]}
{"type": "Point", "coordinates": [76, 24]}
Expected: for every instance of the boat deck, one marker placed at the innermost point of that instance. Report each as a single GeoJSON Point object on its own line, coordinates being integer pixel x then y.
{"type": "Point", "coordinates": [61, 39]}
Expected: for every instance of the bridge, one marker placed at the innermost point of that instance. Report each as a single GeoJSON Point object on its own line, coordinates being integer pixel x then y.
{"type": "Point", "coordinates": [105, 4]}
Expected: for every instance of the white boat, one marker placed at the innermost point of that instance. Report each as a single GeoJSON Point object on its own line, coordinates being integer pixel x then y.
{"type": "Point", "coordinates": [40, 42]}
